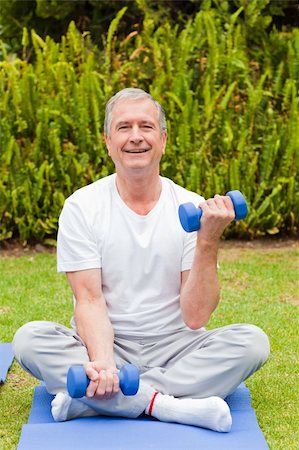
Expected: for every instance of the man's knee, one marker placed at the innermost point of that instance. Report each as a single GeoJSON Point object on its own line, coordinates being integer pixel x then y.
{"type": "Point", "coordinates": [256, 345]}
{"type": "Point", "coordinates": [24, 341]}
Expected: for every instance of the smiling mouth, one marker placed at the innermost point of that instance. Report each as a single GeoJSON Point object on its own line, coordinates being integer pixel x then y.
{"type": "Point", "coordinates": [137, 151]}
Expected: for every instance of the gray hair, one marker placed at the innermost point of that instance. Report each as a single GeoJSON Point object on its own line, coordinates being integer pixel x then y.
{"type": "Point", "coordinates": [132, 94]}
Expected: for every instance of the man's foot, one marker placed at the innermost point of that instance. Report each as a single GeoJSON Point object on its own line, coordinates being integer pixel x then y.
{"type": "Point", "coordinates": [65, 408]}
{"type": "Point", "coordinates": [211, 412]}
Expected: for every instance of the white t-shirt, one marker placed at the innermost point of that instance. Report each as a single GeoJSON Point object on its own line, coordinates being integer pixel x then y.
{"type": "Point", "coordinates": [141, 257]}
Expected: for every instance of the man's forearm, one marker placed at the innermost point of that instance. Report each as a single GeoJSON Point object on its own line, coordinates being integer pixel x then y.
{"type": "Point", "coordinates": [95, 329]}
{"type": "Point", "coordinates": [200, 293]}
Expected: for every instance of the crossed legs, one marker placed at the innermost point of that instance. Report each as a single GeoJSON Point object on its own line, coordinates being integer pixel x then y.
{"type": "Point", "coordinates": [192, 371]}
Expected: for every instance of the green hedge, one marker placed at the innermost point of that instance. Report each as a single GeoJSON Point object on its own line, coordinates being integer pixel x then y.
{"type": "Point", "coordinates": [230, 92]}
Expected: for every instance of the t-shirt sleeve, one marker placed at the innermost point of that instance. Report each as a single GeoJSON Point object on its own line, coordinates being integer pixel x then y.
{"type": "Point", "coordinates": [77, 248]}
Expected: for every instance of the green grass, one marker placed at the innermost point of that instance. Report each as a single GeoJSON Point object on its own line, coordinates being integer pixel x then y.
{"type": "Point", "coordinates": [259, 285]}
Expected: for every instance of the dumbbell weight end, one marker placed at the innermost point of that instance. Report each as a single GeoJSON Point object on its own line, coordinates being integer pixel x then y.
{"type": "Point", "coordinates": [190, 217]}
{"type": "Point", "coordinates": [240, 205]}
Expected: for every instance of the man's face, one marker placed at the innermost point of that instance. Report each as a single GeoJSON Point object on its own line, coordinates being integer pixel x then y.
{"type": "Point", "coordinates": [135, 142]}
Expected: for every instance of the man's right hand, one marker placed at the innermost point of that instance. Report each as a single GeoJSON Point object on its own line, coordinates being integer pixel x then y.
{"type": "Point", "coordinates": [104, 382]}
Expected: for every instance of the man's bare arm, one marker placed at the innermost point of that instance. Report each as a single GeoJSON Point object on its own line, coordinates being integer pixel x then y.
{"type": "Point", "coordinates": [95, 329]}
{"type": "Point", "coordinates": [200, 290]}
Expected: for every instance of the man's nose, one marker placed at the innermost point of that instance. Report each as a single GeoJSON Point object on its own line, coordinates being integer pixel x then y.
{"type": "Point", "coordinates": [136, 135]}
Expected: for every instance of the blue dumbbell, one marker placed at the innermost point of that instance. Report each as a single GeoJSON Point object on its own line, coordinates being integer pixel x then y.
{"type": "Point", "coordinates": [78, 381]}
{"type": "Point", "coordinates": [190, 215]}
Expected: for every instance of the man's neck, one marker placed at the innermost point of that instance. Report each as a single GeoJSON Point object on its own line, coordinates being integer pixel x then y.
{"type": "Point", "coordinates": [140, 194]}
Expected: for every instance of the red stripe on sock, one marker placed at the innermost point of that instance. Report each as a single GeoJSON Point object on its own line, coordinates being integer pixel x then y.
{"type": "Point", "coordinates": [152, 403]}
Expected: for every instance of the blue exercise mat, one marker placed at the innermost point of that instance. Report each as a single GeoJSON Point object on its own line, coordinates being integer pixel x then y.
{"type": "Point", "coordinates": [144, 433]}
{"type": "Point", "coordinates": [6, 359]}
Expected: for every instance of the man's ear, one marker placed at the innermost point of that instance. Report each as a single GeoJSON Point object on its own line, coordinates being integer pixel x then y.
{"type": "Point", "coordinates": [107, 142]}
{"type": "Point", "coordinates": [164, 140]}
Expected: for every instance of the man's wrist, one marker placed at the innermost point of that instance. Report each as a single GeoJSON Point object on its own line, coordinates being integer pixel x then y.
{"type": "Point", "coordinates": [208, 246]}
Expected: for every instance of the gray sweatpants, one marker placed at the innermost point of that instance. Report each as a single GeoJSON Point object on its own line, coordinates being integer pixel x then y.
{"type": "Point", "coordinates": [194, 364]}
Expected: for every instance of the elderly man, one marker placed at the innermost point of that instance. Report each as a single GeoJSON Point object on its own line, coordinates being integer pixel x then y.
{"type": "Point", "coordinates": [143, 290]}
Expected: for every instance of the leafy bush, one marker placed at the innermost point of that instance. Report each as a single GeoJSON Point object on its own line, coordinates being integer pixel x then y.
{"type": "Point", "coordinates": [231, 101]}
{"type": "Point", "coordinates": [52, 17]}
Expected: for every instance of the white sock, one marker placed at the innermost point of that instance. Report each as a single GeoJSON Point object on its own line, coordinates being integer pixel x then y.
{"type": "Point", "coordinates": [65, 408]}
{"type": "Point", "coordinates": [211, 412]}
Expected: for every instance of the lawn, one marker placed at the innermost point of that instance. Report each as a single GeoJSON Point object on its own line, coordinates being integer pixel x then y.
{"type": "Point", "coordinates": [259, 285]}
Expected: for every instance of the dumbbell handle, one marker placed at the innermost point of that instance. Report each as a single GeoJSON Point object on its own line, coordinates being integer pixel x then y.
{"type": "Point", "coordinates": [190, 215]}
{"type": "Point", "coordinates": [78, 381]}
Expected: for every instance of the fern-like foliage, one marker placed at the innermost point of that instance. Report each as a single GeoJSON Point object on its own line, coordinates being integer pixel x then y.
{"type": "Point", "coordinates": [232, 108]}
